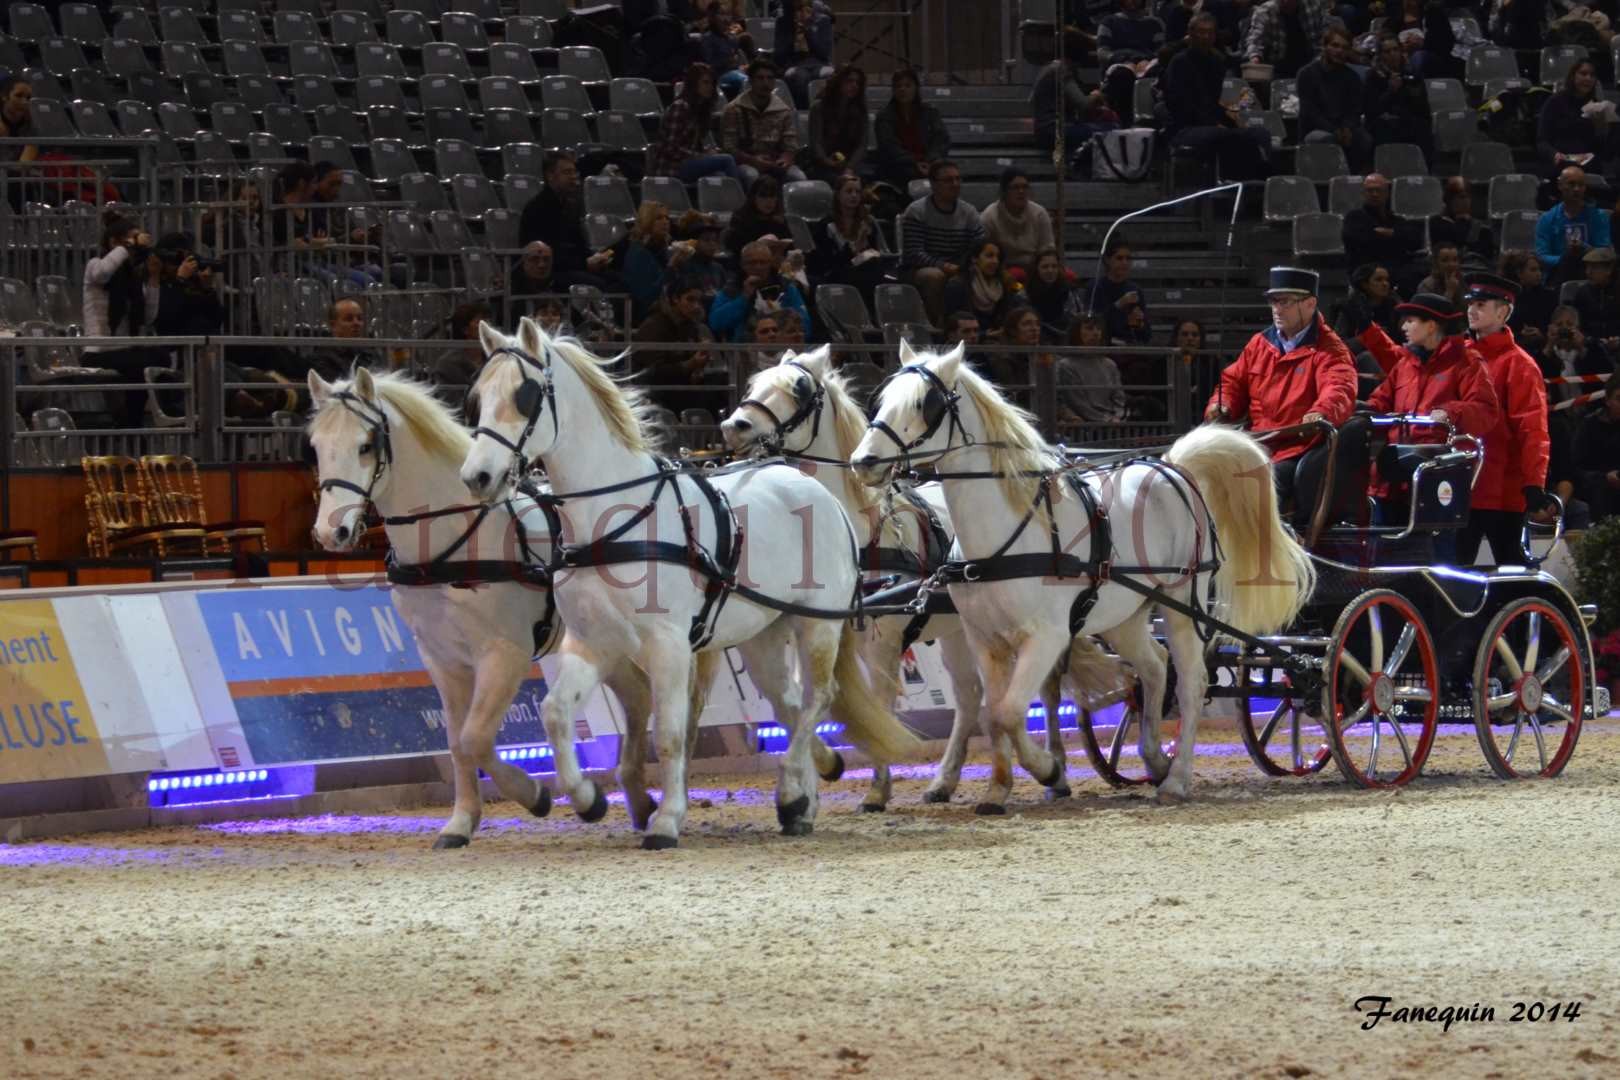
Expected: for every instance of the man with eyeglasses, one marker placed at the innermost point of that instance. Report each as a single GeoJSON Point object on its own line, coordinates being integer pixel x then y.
{"type": "Point", "coordinates": [1297, 371]}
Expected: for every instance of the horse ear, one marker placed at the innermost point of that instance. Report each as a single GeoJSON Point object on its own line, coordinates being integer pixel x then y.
{"type": "Point", "coordinates": [816, 360]}
{"type": "Point", "coordinates": [907, 354]}
{"type": "Point", "coordinates": [531, 336]}
{"type": "Point", "coordinates": [489, 337]}
{"type": "Point", "coordinates": [319, 389]}
{"type": "Point", "coordinates": [948, 364]}
{"type": "Point", "coordinates": [365, 385]}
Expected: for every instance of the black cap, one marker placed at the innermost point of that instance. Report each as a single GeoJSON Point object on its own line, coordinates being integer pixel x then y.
{"type": "Point", "coordinates": [1483, 286]}
{"type": "Point", "coordinates": [1430, 306]}
{"type": "Point", "coordinates": [1292, 281]}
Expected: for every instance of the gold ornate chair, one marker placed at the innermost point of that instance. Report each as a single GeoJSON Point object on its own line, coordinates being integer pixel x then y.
{"type": "Point", "coordinates": [172, 485]}
{"type": "Point", "coordinates": [121, 516]}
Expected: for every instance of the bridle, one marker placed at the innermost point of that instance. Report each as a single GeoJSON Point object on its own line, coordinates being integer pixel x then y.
{"type": "Point", "coordinates": [808, 397]}
{"type": "Point", "coordinates": [530, 398]}
{"type": "Point", "coordinates": [939, 404]}
{"type": "Point", "coordinates": [376, 424]}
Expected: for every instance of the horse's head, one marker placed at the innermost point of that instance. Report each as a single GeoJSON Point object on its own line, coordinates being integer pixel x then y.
{"type": "Point", "coordinates": [915, 413]}
{"type": "Point", "coordinates": [783, 408]}
{"type": "Point", "coordinates": [350, 435]}
{"type": "Point", "coordinates": [517, 415]}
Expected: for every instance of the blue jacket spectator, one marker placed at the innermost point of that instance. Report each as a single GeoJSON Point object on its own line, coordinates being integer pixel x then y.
{"type": "Point", "coordinates": [1573, 226]}
{"type": "Point", "coordinates": [760, 289]}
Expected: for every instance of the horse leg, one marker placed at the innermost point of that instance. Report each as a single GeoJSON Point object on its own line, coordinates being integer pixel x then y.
{"type": "Point", "coordinates": [1028, 672]}
{"type": "Point", "coordinates": [629, 685]}
{"type": "Point", "coordinates": [881, 652]}
{"type": "Point", "coordinates": [1051, 698]}
{"type": "Point", "coordinates": [578, 673]}
{"type": "Point", "coordinates": [499, 675]}
{"type": "Point", "coordinates": [455, 689]}
{"type": "Point", "coordinates": [995, 667]}
{"type": "Point", "coordinates": [1187, 651]}
{"type": "Point", "coordinates": [969, 692]}
{"type": "Point", "coordinates": [667, 660]}
{"type": "Point", "coordinates": [796, 795]}
{"type": "Point", "coordinates": [1134, 643]}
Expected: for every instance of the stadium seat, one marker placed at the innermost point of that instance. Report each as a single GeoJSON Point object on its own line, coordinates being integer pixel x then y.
{"type": "Point", "coordinates": [233, 121]}
{"type": "Point", "coordinates": [667, 190]}
{"type": "Point", "coordinates": [1320, 162]}
{"type": "Point", "coordinates": [259, 91]}
{"type": "Point", "coordinates": [1556, 60]}
{"type": "Point", "coordinates": [565, 92]}
{"type": "Point", "coordinates": [288, 124]}
{"type": "Point", "coordinates": [519, 189]}
{"type": "Point", "coordinates": [93, 120]}
{"type": "Point", "coordinates": [1417, 198]}
{"type": "Point", "coordinates": [1512, 193]}
{"type": "Point", "coordinates": [135, 117]}
{"type": "Point", "coordinates": [636, 96]}
{"type": "Point", "coordinates": [182, 58]}
{"type": "Point", "coordinates": [313, 58]}
{"type": "Point", "coordinates": [545, 9]}
{"type": "Point", "coordinates": [502, 127]}
{"type": "Point", "coordinates": [341, 123]}
{"type": "Point", "coordinates": [809, 199]}
{"type": "Point", "coordinates": [1490, 62]}
{"type": "Point", "coordinates": [380, 59]}
{"type": "Point", "coordinates": [900, 304]}
{"type": "Point", "coordinates": [1518, 230]}
{"type": "Point", "coordinates": [1399, 159]}
{"type": "Point", "coordinates": [527, 32]}
{"type": "Point", "coordinates": [1344, 194]}
{"type": "Point", "coordinates": [621, 131]}
{"type": "Point", "coordinates": [327, 148]}
{"type": "Point", "coordinates": [513, 61]}
{"type": "Point", "coordinates": [465, 30]}
{"type": "Point", "coordinates": [503, 92]}
{"type": "Point", "coordinates": [244, 58]}
{"type": "Point", "coordinates": [442, 92]}
{"type": "Point", "coordinates": [1482, 161]}
{"type": "Point", "coordinates": [295, 27]}
{"type": "Point", "coordinates": [449, 229]}
{"type": "Point", "coordinates": [90, 85]}
{"type": "Point", "coordinates": [423, 191]}
{"type": "Point", "coordinates": [454, 156]}
{"type": "Point", "coordinates": [527, 158]}
{"type": "Point", "coordinates": [408, 30]}
{"type": "Point", "coordinates": [441, 59]}
{"type": "Point", "coordinates": [1289, 196]}
{"type": "Point", "coordinates": [240, 26]}
{"type": "Point", "coordinates": [1319, 234]}
{"type": "Point", "coordinates": [1455, 129]}
{"type": "Point", "coordinates": [609, 195]}
{"type": "Point", "coordinates": [564, 129]}
{"type": "Point", "coordinates": [310, 92]}
{"type": "Point", "coordinates": [503, 229]}
{"type": "Point", "coordinates": [844, 314]}
{"type": "Point", "coordinates": [1446, 95]}
{"type": "Point", "coordinates": [60, 56]}
{"type": "Point", "coordinates": [720, 195]}
{"type": "Point", "coordinates": [584, 62]}
{"type": "Point", "coordinates": [602, 231]}
{"type": "Point", "coordinates": [49, 119]}
{"type": "Point", "coordinates": [352, 28]}
{"type": "Point", "coordinates": [81, 23]}
{"type": "Point", "coordinates": [474, 195]}
{"type": "Point", "coordinates": [132, 24]}
{"type": "Point", "coordinates": [178, 24]}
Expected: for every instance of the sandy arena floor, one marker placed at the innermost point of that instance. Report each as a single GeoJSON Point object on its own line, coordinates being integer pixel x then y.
{"type": "Point", "coordinates": [1102, 936]}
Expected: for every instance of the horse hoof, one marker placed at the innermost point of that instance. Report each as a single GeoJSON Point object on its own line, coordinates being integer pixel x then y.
{"type": "Point", "coordinates": [936, 796]}
{"type": "Point", "coordinates": [837, 770]}
{"type": "Point", "coordinates": [446, 841]}
{"type": "Point", "coordinates": [597, 810]}
{"type": "Point", "coordinates": [542, 805]}
{"type": "Point", "coordinates": [1054, 778]}
{"type": "Point", "coordinates": [872, 808]}
{"type": "Point", "coordinates": [1060, 792]}
{"type": "Point", "coordinates": [798, 827]}
{"type": "Point", "coordinates": [1165, 797]}
{"type": "Point", "coordinates": [659, 843]}
{"type": "Point", "coordinates": [787, 813]}
{"type": "Point", "coordinates": [989, 809]}
{"type": "Point", "coordinates": [640, 821]}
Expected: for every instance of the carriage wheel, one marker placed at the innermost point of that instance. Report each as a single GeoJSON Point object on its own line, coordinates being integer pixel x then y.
{"type": "Point", "coordinates": [1381, 681]}
{"type": "Point", "coordinates": [1118, 762]}
{"type": "Point", "coordinates": [1286, 740]}
{"type": "Point", "coordinates": [1529, 679]}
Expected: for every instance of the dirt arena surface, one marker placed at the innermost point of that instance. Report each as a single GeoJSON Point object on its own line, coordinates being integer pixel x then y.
{"type": "Point", "coordinates": [1100, 936]}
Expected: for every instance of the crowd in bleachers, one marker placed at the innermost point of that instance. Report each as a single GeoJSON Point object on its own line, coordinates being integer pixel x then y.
{"type": "Point", "coordinates": [717, 166]}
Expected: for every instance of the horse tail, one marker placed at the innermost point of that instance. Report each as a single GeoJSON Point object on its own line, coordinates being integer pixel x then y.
{"type": "Point", "coordinates": [1266, 576]}
{"type": "Point", "coordinates": [703, 668]}
{"type": "Point", "coordinates": [868, 711]}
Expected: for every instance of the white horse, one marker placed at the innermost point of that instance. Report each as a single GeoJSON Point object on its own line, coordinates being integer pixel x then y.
{"type": "Point", "coordinates": [791, 556]}
{"type": "Point", "coordinates": [385, 440]}
{"type": "Point", "coordinates": [802, 408]}
{"type": "Point", "coordinates": [1032, 510]}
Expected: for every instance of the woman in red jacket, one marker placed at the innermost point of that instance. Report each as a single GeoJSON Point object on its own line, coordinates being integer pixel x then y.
{"type": "Point", "coordinates": [1439, 374]}
{"type": "Point", "coordinates": [1514, 475]}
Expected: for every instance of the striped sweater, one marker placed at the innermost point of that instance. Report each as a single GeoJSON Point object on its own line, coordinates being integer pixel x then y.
{"type": "Point", "coordinates": [930, 236]}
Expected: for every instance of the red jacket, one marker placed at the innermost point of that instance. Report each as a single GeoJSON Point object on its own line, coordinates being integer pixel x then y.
{"type": "Point", "coordinates": [1453, 379]}
{"type": "Point", "coordinates": [1517, 448]}
{"type": "Point", "coordinates": [1276, 389]}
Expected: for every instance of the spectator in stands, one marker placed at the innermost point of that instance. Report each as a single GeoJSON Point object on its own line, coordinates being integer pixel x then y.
{"type": "Point", "coordinates": [1536, 301]}
{"type": "Point", "coordinates": [188, 302]}
{"type": "Point", "coordinates": [847, 240]}
{"type": "Point", "coordinates": [937, 232]}
{"type": "Point", "coordinates": [760, 287]}
{"type": "Point", "coordinates": [1298, 371]}
{"type": "Point", "coordinates": [1595, 297]}
{"type": "Point", "coordinates": [346, 320]}
{"type": "Point", "coordinates": [120, 300]}
{"type": "Point", "coordinates": [1199, 124]}
{"type": "Point", "coordinates": [1372, 233]}
{"type": "Point", "coordinates": [679, 149]}
{"type": "Point", "coordinates": [764, 331]}
{"type": "Point", "coordinates": [1088, 386]}
{"type": "Point", "coordinates": [1513, 477]}
{"type": "Point", "coordinates": [16, 117]}
{"type": "Point", "coordinates": [1113, 295]}
{"type": "Point", "coordinates": [460, 366]}
{"type": "Point", "coordinates": [1569, 351]}
{"type": "Point", "coordinates": [910, 134]}
{"type": "Point", "coordinates": [760, 130]}
{"type": "Point", "coordinates": [1085, 112]}
{"type": "Point", "coordinates": [1051, 292]}
{"type": "Point", "coordinates": [1281, 33]}
{"type": "Point", "coordinates": [1571, 227]}
{"type": "Point", "coordinates": [723, 49]}
{"type": "Point", "coordinates": [652, 257]}
{"type": "Point", "coordinates": [1128, 35]}
{"type": "Point", "coordinates": [1395, 100]}
{"type": "Point", "coordinates": [1021, 226]}
{"type": "Point", "coordinates": [839, 126]}
{"type": "Point", "coordinates": [1456, 224]}
{"type": "Point", "coordinates": [705, 233]}
{"type": "Point", "coordinates": [760, 217]}
{"type": "Point", "coordinates": [1203, 370]}
{"type": "Point", "coordinates": [1597, 448]}
{"type": "Point", "coordinates": [556, 215]}
{"type": "Point", "coordinates": [963, 327]}
{"type": "Point", "coordinates": [1331, 98]}
{"type": "Point", "coordinates": [1445, 273]}
{"type": "Point", "coordinates": [534, 274]}
{"type": "Point", "coordinates": [804, 44]}
{"type": "Point", "coordinates": [551, 313]}
{"type": "Point", "coordinates": [1372, 300]}
{"type": "Point", "coordinates": [980, 286]}
{"type": "Point", "coordinates": [677, 319]}
{"type": "Point", "coordinates": [1577, 126]}
{"type": "Point", "coordinates": [790, 328]}
{"type": "Point", "coordinates": [291, 226]}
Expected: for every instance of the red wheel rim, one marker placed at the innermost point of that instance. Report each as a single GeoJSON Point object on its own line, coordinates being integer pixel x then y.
{"type": "Point", "coordinates": [1287, 727]}
{"type": "Point", "coordinates": [1539, 691]}
{"type": "Point", "coordinates": [1117, 761]}
{"type": "Point", "coordinates": [1395, 675]}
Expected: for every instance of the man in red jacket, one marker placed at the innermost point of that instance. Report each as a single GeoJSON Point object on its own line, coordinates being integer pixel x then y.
{"type": "Point", "coordinates": [1296, 371]}
{"type": "Point", "coordinates": [1439, 374]}
{"type": "Point", "coordinates": [1514, 475]}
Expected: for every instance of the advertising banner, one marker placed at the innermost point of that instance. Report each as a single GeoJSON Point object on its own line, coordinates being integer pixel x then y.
{"type": "Point", "coordinates": [47, 730]}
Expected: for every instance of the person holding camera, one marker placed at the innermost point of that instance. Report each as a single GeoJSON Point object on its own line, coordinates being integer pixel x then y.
{"type": "Point", "coordinates": [188, 303]}
{"type": "Point", "coordinates": [120, 299]}
{"type": "Point", "coordinates": [761, 288]}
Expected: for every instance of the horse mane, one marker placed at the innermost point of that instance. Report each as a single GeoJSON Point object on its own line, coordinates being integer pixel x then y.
{"type": "Point", "coordinates": [626, 411]}
{"type": "Point", "coordinates": [849, 422]}
{"type": "Point", "coordinates": [1016, 446]}
{"type": "Point", "coordinates": [428, 418]}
